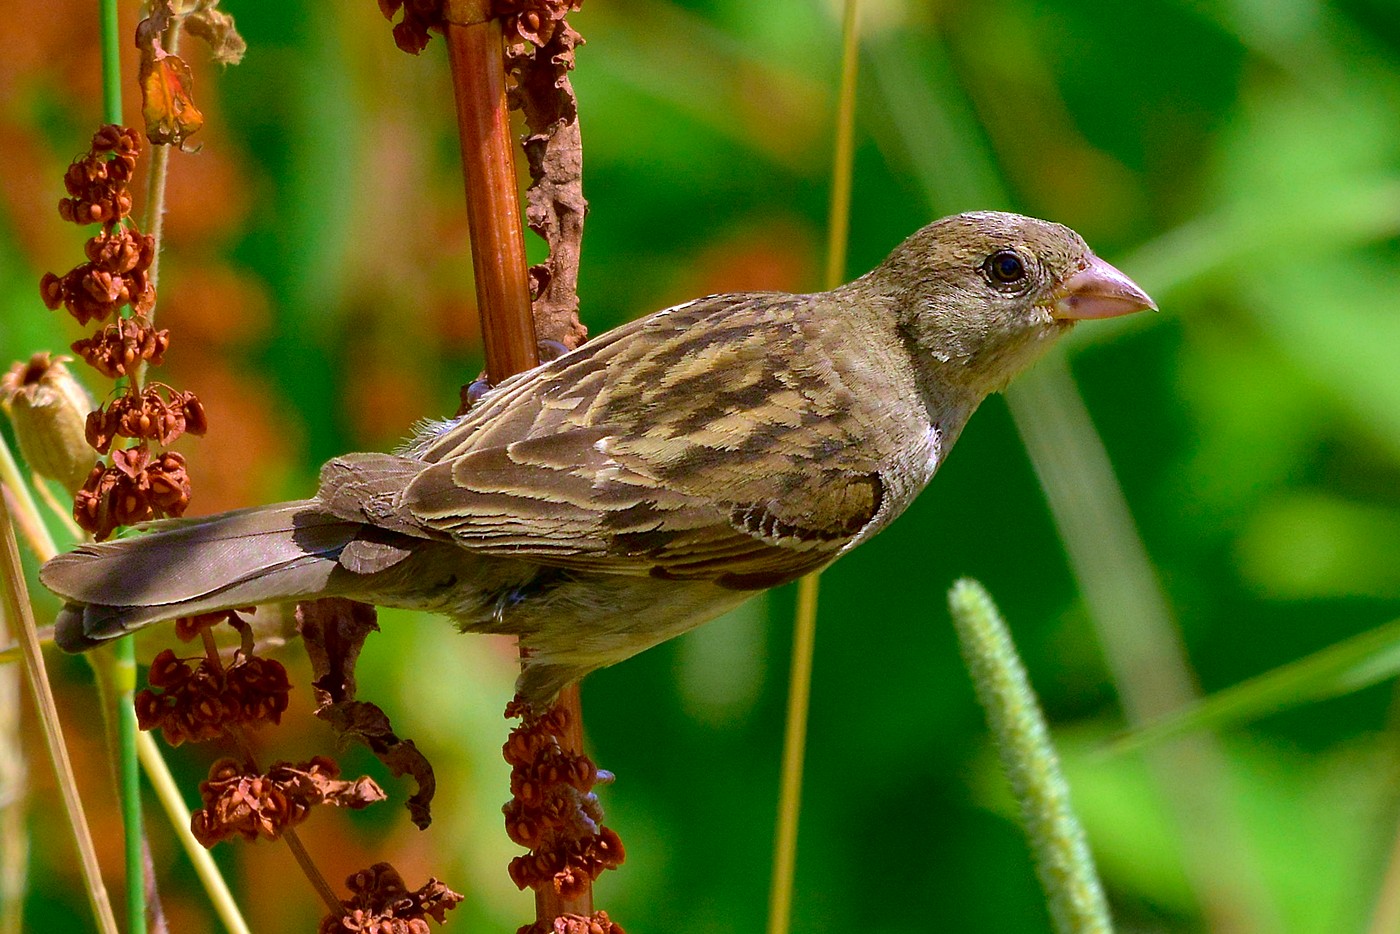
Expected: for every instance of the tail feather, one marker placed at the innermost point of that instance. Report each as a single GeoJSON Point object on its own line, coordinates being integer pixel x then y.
{"type": "Point", "coordinates": [236, 559]}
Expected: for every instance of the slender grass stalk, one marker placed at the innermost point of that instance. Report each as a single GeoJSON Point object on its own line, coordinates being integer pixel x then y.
{"type": "Point", "coordinates": [804, 638]}
{"type": "Point", "coordinates": [804, 635]}
{"type": "Point", "coordinates": [17, 609]}
{"type": "Point", "coordinates": [152, 760]}
{"type": "Point", "coordinates": [22, 506]}
{"type": "Point", "coordinates": [123, 651]}
{"type": "Point", "coordinates": [63, 514]}
{"type": "Point", "coordinates": [1062, 858]}
{"type": "Point", "coordinates": [1109, 560]}
{"type": "Point", "coordinates": [838, 221]}
{"type": "Point", "coordinates": [168, 794]}
{"type": "Point", "coordinates": [14, 842]}
{"type": "Point", "coordinates": [1140, 639]}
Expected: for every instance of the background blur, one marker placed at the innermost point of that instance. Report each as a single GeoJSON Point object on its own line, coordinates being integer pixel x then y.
{"type": "Point", "coordinates": [1239, 158]}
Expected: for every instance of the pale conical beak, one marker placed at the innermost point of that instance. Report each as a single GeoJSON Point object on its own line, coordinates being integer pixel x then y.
{"type": "Point", "coordinates": [1099, 291]}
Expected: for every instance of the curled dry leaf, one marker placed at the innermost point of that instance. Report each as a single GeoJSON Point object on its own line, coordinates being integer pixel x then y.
{"type": "Point", "coordinates": [333, 631]}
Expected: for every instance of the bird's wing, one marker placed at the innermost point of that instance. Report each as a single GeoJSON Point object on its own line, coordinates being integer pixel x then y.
{"type": "Point", "coordinates": [715, 440]}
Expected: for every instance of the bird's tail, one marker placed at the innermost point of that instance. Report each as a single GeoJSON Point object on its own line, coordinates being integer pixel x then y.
{"type": "Point", "coordinates": [251, 556]}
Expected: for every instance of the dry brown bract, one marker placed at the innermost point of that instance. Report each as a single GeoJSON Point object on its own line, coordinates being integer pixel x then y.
{"type": "Point", "coordinates": [380, 903]}
{"type": "Point", "coordinates": [241, 803]}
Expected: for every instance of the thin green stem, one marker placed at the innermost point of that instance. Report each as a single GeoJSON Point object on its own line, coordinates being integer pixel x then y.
{"type": "Point", "coordinates": [111, 61]}
{"type": "Point", "coordinates": [16, 608]}
{"type": "Point", "coordinates": [124, 650]}
{"type": "Point", "coordinates": [1062, 858]}
{"type": "Point", "coordinates": [805, 620]}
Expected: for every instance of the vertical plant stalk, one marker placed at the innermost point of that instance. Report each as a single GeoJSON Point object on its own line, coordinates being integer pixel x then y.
{"type": "Point", "coordinates": [14, 840]}
{"type": "Point", "coordinates": [123, 651]}
{"type": "Point", "coordinates": [153, 213]}
{"type": "Point", "coordinates": [1062, 858]}
{"type": "Point", "coordinates": [17, 610]}
{"type": "Point", "coordinates": [804, 635]}
{"type": "Point", "coordinates": [14, 843]}
{"type": "Point", "coordinates": [1139, 637]}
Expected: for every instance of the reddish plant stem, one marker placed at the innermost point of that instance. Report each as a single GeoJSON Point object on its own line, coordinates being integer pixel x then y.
{"type": "Point", "coordinates": [498, 258]}
{"type": "Point", "coordinates": [493, 202]}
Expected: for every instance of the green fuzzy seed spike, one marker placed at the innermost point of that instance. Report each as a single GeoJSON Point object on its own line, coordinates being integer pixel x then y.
{"type": "Point", "coordinates": [1061, 853]}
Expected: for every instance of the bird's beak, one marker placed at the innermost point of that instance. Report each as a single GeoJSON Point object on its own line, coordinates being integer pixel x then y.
{"type": "Point", "coordinates": [1099, 291]}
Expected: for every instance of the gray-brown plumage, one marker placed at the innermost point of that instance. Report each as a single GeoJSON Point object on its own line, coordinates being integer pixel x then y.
{"type": "Point", "coordinates": [652, 479]}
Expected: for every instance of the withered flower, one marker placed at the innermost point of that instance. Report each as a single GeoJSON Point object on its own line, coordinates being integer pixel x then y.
{"type": "Point", "coordinates": [117, 348]}
{"type": "Point", "coordinates": [48, 408]}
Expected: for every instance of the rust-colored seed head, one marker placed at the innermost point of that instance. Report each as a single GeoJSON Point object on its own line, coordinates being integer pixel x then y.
{"type": "Point", "coordinates": [552, 811]}
{"type": "Point", "coordinates": [381, 903]}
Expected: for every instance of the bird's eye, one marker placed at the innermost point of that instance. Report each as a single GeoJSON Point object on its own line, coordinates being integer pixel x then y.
{"type": "Point", "coordinates": [1005, 267]}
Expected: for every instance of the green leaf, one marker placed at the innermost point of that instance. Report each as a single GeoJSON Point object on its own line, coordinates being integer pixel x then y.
{"type": "Point", "coordinates": [1351, 665]}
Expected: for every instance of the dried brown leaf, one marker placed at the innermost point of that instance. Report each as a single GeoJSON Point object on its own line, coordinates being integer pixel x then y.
{"type": "Point", "coordinates": [334, 631]}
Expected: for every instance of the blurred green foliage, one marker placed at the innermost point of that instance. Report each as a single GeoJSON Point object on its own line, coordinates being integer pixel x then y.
{"type": "Point", "coordinates": [1239, 158]}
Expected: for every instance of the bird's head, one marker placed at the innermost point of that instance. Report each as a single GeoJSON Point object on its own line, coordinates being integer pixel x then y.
{"type": "Point", "coordinates": [980, 296]}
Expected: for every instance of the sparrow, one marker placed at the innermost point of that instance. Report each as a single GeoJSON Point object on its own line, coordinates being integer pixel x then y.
{"type": "Point", "coordinates": [650, 480]}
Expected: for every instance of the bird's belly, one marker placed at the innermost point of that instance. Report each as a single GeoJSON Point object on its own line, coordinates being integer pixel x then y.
{"type": "Point", "coordinates": [587, 621]}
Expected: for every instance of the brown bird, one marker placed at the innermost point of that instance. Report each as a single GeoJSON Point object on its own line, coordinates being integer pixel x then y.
{"type": "Point", "coordinates": [652, 479]}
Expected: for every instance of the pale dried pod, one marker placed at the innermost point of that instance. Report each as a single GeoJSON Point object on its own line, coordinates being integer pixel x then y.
{"type": "Point", "coordinates": [48, 408]}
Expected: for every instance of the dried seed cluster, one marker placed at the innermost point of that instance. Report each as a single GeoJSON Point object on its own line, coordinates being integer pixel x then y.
{"type": "Point", "coordinates": [380, 903]}
{"type": "Point", "coordinates": [238, 802]}
{"type": "Point", "coordinates": [533, 20]}
{"type": "Point", "coordinates": [194, 703]}
{"type": "Point", "coordinates": [596, 923]}
{"type": "Point", "coordinates": [554, 812]}
{"type": "Point", "coordinates": [136, 485]}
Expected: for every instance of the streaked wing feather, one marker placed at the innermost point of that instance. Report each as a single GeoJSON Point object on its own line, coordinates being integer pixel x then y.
{"type": "Point", "coordinates": [567, 464]}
